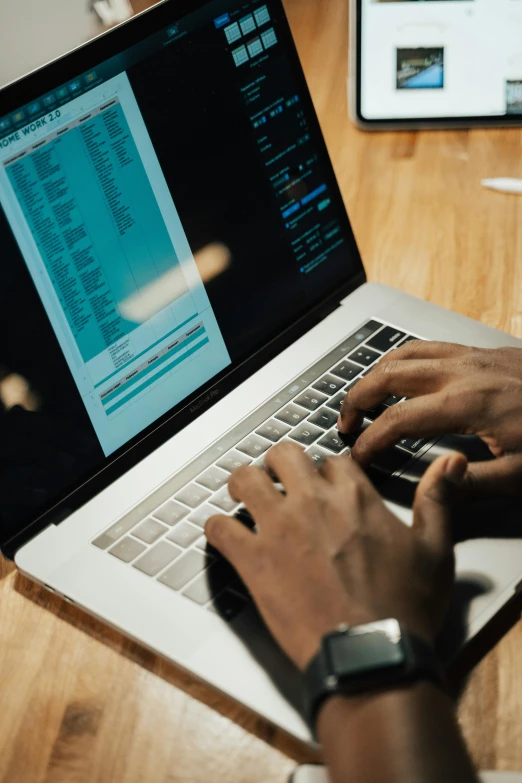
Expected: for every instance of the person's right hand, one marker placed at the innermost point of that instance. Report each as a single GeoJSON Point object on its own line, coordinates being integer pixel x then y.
{"type": "Point", "coordinates": [451, 389]}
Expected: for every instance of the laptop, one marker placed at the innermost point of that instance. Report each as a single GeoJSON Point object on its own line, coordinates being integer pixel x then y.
{"type": "Point", "coordinates": [181, 289]}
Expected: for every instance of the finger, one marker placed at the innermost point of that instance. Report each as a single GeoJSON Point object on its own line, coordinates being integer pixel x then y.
{"type": "Point", "coordinates": [428, 349]}
{"type": "Point", "coordinates": [409, 378]}
{"type": "Point", "coordinates": [435, 414]}
{"type": "Point", "coordinates": [345, 472]}
{"type": "Point", "coordinates": [340, 469]}
{"type": "Point", "coordinates": [501, 477]}
{"type": "Point", "coordinates": [355, 492]}
{"type": "Point", "coordinates": [235, 542]}
{"type": "Point", "coordinates": [436, 494]}
{"type": "Point", "coordinates": [253, 487]}
{"type": "Point", "coordinates": [291, 466]}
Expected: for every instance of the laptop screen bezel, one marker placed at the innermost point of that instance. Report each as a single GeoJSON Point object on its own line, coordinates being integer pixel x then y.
{"type": "Point", "coordinates": [37, 83]}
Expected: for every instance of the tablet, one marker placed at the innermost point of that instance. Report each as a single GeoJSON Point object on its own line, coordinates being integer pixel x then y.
{"type": "Point", "coordinates": [436, 63]}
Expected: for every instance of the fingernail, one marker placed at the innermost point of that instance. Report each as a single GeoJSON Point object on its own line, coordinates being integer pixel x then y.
{"type": "Point", "coordinates": [339, 423]}
{"type": "Point", "coordinates": [455, 470]}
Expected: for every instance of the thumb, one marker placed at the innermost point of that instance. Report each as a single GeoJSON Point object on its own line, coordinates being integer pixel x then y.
{"type": "Point", "coordinates": [500, 477]}
{"type": "Point", "coordinates": [438, 490]}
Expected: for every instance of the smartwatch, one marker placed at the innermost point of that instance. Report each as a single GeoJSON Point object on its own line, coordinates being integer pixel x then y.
{"type": "Point", "coordinates": [366, 658]}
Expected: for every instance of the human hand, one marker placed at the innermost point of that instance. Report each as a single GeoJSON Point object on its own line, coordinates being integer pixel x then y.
{"type": "Point", "coordinates": [330, 552]}
{"type": "Point", "coordinates": [452, 389]}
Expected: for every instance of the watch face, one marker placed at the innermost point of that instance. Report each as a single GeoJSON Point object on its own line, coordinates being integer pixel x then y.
{"type": "Point", "coordinates": [366, 649]}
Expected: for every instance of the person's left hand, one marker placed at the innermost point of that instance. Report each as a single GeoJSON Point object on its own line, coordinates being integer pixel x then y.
{"type": "Point", "coordinates": [330, 552]}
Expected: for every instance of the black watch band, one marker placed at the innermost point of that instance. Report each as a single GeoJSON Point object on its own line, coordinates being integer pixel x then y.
{"type": "Point", "coordinates": [365, 659]}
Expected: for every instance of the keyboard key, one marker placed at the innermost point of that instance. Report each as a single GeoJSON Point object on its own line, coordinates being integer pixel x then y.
{"type": "Point", "coordinates": [254, 446]}
{"type": "Point", "coordinates": [228, 605]}
{"type": "Point", "coordinates": [200, 515]}
{"type": "Point", "coordinates": [291, 415]}
{"type": "Point", "coordinates": [127, 549]}
{"type": "Point", "coordinates": [386, 339]}
{"type": "Point", "coordinates": [213, 478]}
{"type": "Point", "coordinates": [200, 590]}
{"type": "Point", "coordinates": [273, 430]}
{"type": "Point", "coordinates": [157, 558]}
{"type": "Point", "coordinates": [336, 402]}
{"type": "Point", "coordinates": [376, 412]}
{"type": "Point", "coordinates": [311, 400]}
{"type": "Point", "coordinates": [364, 356]}
{"type": "Point", "coordinates": [317, 455]}
{"type": "Point", "coordinates": [115, 532]}
{"type": "Point", "coordinates": [234, 460]}
{"type": "Point", "coordinates": [171, 512]}
{"type": "Point", "coordinates": [347, 370]}
{"type": "Point", "coordinates": [324, 418]}
{"type": "Point", "coordinates": [333, 442]}
{"type": "Point", "coordinates": [192, 495]}
{"type": "Point", "coordinates": [184, 569]}
{"type": "Point", "coordinates": [351, 438]}
{"type": "Point", "coordinates": [412, 444]}
{"type": "Point", "coordinates": [259, 463]}
{"type": "Point", "coordinates": [202, 543]}
{"type": "Point", "coordinates": [149, 530]}
{"type": "Point", "coordinates": [306, 434]}
{"type": "Point", "coordinates": [184, 534]}
{"type": "Point", "coordinates": [223, 501]}
{"type": "Point", "coordinates": [392, 400]}
{"type": "Point", "coordinates": [329, 385]}
{"type": "Point", "coordinates": [371, 327]}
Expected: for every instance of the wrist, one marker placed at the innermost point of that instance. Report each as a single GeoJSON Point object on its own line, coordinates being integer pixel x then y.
{"type": "Point", "coordinates": [343, 713]}
{"type": "Point", "coordinates": [367, 658]}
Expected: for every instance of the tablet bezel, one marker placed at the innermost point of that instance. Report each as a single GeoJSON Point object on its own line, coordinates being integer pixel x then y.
{"type": "Point", "coordinates": [410, 123]}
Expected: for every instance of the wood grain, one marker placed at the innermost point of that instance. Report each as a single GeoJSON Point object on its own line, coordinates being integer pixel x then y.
{"type": "Point", "coordinates": [81, 704]}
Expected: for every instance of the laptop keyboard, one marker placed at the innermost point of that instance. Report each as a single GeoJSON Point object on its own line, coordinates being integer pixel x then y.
{"type": "Point", "coordinates": [163, 536]}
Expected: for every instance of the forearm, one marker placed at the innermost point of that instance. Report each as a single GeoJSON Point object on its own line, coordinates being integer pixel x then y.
{"type": "Point", "coordinates": [409, 735]}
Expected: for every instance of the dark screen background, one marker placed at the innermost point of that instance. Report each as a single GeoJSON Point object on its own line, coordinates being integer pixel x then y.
{"type": "Point", "coordinates": [202, 134]}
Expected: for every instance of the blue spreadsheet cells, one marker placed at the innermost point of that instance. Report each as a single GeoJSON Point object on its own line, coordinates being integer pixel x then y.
{"type": "Point", "coordinates": [240, 55]}
{"type": "Point", "coordinates": [232, 32]}
{"type": "Point", "coordinates": [269, 38]}
{"type": "Point", "coordinates": [127, 387]}
{"type": "Point", "coordinates": [91, 209]}
{"type": "Point", "coordinates": [262, 15]}
{"type": "Point", "coordinates": [247, 24]}
{"type": "Point", "coordinates": [255, 47]}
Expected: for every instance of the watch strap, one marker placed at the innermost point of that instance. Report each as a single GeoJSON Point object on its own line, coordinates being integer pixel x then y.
{"type": "Point", "coordinates": [421, 663]}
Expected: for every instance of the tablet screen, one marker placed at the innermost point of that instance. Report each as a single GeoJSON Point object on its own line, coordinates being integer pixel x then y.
{"type": "Point", "coordinates": [440, 59]}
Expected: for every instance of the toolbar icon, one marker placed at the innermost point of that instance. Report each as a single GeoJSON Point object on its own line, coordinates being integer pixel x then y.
{"type": "Point", "coordinates": [49, 100]}
{"type": "Point", "coordinates": [34, 108]}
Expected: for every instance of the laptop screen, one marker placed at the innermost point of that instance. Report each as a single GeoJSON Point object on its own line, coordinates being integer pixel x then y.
{"type": "Point", "coordinates": [164, 214]}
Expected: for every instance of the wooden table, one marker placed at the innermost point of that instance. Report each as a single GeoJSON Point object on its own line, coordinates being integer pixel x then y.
{"type": "Point", "coordinates": [79, 702]}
